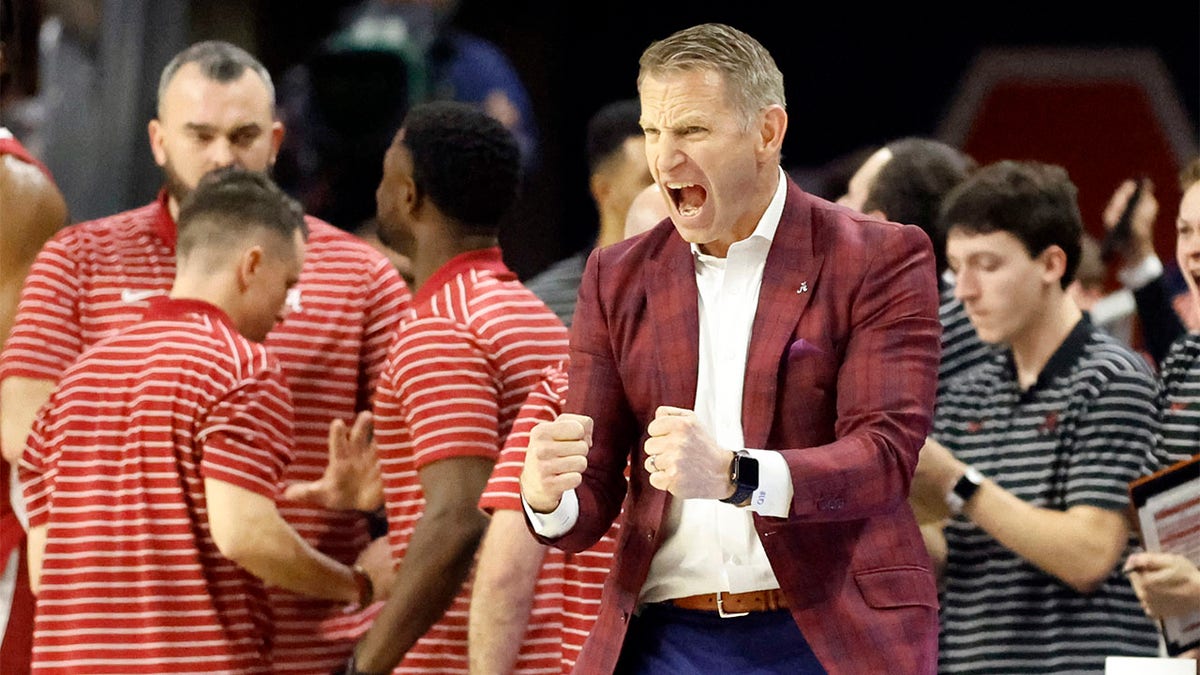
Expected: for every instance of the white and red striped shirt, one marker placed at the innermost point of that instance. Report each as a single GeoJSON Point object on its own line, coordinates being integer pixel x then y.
{"type": "Point", "coordinates": [567, 592]}
{"type": "Point", "coordinates": [456, 378]}
{"type": "Point", "coordinates": [95, 277]}
{"type": "Point", "coordinates": [114, 469]}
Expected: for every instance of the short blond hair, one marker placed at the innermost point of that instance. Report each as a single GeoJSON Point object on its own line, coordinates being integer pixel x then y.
{"type": "Point", "coordinates": [753, 81]}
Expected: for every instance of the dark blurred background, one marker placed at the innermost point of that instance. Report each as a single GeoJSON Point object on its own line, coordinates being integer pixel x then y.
{"type": "Point", "coordinates": [857, 75]}
{"type": "Point", "coordinates": [1105, 93]}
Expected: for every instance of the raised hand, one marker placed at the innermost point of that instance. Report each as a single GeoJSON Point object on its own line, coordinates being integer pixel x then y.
{"type": "Point", "coordinates": [352, 479]}
{"type": "Point", "coordinates": [555, 460]}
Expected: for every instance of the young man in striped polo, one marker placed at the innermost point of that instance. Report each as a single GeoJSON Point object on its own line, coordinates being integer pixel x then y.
{"type": "Point", "coordinates": [151, 475]}
{"type": "Point", "coordinates": [216, 108]}
{"type": "Point", "coordinates": [1031, 454]}
{"type": "Point", "coordinates": [456, 375]}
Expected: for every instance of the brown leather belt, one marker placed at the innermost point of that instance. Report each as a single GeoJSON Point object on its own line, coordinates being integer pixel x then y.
{"type": "Point", "coordinates": [734, 604]}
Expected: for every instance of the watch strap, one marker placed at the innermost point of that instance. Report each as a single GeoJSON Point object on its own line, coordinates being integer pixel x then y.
{"type": "Point", "coordinates": [742, 489]}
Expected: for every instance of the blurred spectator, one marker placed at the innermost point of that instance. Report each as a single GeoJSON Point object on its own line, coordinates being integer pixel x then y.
{"type": "Point", "coordinates": [617, 171]}
{"type": "Point", "coordinates": [33, 211]}
{"type": "Point", "coordinates": [1164, 306]}
{"type": "Point", "coordinates": [343, 104]}
{"type": "Point", "coordinates": [98, 66]}
{"type": "Point", "coordinates": [648, 209]}
{"type": "Point", "coordinates": [905, 182]}
{"type": "Point", "coordinates": [1113, 311]}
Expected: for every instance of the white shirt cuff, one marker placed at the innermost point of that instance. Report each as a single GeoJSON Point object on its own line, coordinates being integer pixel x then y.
{"type": "Point", "coordinates": [1134, 278]}
{"type": "Point", "coordinates": [559, 521]}
{"type": "Point", "coordinates": [774, 494]}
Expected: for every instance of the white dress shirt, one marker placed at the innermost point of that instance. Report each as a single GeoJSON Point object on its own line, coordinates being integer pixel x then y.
{"type": "Point", "coordinates": [708, 545]}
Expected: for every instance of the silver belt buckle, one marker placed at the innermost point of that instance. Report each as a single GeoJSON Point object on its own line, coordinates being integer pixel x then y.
{"type": "Point", "coordinates": [721, 608]}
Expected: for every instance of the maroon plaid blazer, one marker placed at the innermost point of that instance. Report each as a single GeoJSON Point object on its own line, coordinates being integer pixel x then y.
{"type": "Point", "coordinates": [840, 378]}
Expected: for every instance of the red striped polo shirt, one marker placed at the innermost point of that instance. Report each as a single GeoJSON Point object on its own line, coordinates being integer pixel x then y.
{"type": "Point", "coordinates": [456, 378]}
{"type": "Point", "coordinates": [567, 594]}
{"type": "Point", "coordinates": [96, 277]}
{"type": "Point", "coordinates": [114, 469]}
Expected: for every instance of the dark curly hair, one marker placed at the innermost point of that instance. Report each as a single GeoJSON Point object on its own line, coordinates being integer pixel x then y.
{"type": "Point", "coordinates": [464, 161]}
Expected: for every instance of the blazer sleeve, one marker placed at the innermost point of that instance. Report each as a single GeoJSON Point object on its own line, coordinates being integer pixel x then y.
{"type": "Point", "coordinates": [885, 387]}
{"type": "Point", "coordinates": [595, 388]}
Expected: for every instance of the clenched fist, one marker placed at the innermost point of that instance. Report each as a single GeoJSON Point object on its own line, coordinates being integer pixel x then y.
{"type": "Point", "coordinates": [683, 459]}
{"type": "Point", "coordinates": [555, 460]}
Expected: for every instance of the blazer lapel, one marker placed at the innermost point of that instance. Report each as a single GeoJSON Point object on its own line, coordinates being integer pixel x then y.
{"type": "Point", "coordinates": [789, 282]}
{"type": "Point", "coordinates": [672, 308]}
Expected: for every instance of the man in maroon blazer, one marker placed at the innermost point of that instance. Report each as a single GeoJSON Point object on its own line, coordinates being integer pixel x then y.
{"type": "Point", "coordinates": [778, 539]}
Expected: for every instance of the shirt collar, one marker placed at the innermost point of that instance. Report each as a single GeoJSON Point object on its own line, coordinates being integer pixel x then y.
{"type": "Point", "coordinates": [164, 307]}
{"type": "Point", "coordinates": [1064, 358]}
{"type": "Point", "coordinates": [768, 223]}
{"type": "Point", "coordinates": [489, 259]}
{"type": "Point", "coordinates": [164, 224]}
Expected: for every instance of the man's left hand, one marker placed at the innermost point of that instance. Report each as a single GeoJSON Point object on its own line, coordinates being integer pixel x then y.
{"type": "Point", "coordinates": [937, 472]}
{"type": "Point", "coordinates": [683, 459]}
{"type": "Point", "coordinates": [352, 479]}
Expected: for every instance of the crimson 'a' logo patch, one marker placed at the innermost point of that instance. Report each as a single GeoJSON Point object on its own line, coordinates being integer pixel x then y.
{"type": "Point", "coordinates": [1049, 424]}
{"type": "Point", "coordinates": [974, 426]}
{"type": "Point", "coordinates": [1176, 406]}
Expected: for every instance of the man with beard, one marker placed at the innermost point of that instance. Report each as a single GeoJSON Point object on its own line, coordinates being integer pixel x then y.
{"type": "Point", "coordinates": [215, 109]}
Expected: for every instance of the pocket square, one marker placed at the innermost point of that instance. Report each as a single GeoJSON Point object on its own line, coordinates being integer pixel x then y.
{"type": "Point", "coordinates": [801, 348]}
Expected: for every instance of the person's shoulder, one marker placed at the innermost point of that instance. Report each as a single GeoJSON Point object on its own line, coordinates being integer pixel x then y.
{"type": "Point", "coordinates": [984, 376]}
{"type": "Point", "coordinates": [473, 48]}
{"type": "Point", "coordinates": [326, 240]}
{"type": "Point", "coordinates": [841, 226]}
{"type": "Point", "coordinates": [332, 236]}
{"type": "Point", "coordinates": [1184, 352]}
{"type": "Point", "coordinates": [559, 273]}
{"type": "Point", "coordinates": [634, 250]}
{"type": "Point", "coordinates": [116, 228]}
{"type": "Point", "coordinates": [1106, 356]}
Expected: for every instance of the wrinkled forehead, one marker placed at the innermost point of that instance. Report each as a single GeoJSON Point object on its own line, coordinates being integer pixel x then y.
{"type": "Point", "coordinates": [679, 95]}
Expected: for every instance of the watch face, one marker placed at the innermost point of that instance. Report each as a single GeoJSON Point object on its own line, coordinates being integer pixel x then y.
{"type": "Point", "coordinates": [748, 473]}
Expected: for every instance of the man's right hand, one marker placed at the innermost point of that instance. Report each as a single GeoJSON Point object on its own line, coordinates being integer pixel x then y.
{"type": "Point", "coordinates": [1141, 225]}
{"type": "Point", "coordinates": [555, 460]}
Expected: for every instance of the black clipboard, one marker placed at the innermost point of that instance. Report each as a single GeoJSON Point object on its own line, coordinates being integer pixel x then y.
{"type": "Point", "coordinates": [1183, 478]}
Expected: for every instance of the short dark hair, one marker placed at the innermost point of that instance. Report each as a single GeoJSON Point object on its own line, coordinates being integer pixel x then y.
{"type": "Point", "coordinates": [219, 61]}
{"type": "Point", "coordinates": [609, 128]}
{"type": "Point", "coordinates": [1033, 201]}
{"type": "Point", "coordinates": [465, 161]}
{"type": "Point", "coordinates": [909, 188]}
{"type": "Point", "coordinates": [230, 202]}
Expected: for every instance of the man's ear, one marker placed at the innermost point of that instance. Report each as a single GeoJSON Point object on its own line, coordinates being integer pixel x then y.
{"type": "Point", "coordinates": [600, 185]}
{"type": "Point", "coordinates": [155, 130]}
{"type": "Point", "coordinates": [277, 134]}
{"type": "Point", "coordinates": [772, 128]}
{"type": "Point", "coordinates": [249, 265]}
{"type": "Point", "coordinates": [1054, 264]}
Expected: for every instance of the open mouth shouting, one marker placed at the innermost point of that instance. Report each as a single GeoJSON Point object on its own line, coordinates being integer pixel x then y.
{"type": "Point", "coordinates": [687, 198]}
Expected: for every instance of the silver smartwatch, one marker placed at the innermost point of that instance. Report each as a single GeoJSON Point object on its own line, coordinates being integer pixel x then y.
{"type": "Point", "coordinates": [963, 490]}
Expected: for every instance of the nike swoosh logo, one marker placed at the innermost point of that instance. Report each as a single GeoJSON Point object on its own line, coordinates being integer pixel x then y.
{"type": "Point", "coordinates": [293, 300]}
{"type": "Point", "coordinates": [132, 295]}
